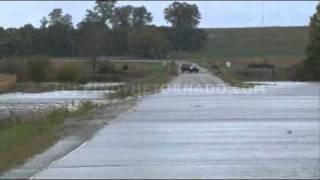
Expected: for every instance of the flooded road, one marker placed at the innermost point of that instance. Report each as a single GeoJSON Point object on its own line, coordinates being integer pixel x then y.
{"type": "Point", "coordinates": [272, 132]}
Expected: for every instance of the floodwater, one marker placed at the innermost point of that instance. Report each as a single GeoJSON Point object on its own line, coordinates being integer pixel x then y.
{"type": "Point", "coordinates": [54, 99]}
{"type": "Point", "coordinates": [29, 100]}
{"type": "Point", "coordinates": [102, 85]}
{"type": "Point", "coordinates": [270, 133]}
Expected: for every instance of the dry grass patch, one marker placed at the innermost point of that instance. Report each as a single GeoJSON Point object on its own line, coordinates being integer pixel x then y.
{"type": "Point", "coordinates": [7, 82]}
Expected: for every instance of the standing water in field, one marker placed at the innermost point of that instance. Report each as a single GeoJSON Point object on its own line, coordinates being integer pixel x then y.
{"type": "Point", "coordinates": [94, 92]}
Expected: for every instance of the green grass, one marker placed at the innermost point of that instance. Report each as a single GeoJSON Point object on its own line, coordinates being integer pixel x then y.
{"type": "Point", "coordinates": [283, 47]}
{"type": "Point", "coordinates": [232, 78]}
{"type": "Point", "coordinates": [154, 79]}
{"type": "Point", "coordinates": [233, 43]}
{"type": "Point", "coordinates": [20, 139]}
{"type": "Point", "coordinates": [235, 53]}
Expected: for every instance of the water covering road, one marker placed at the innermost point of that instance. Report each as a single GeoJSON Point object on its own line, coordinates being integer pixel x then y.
{"type": "Point", "coordinates": [272, 132]}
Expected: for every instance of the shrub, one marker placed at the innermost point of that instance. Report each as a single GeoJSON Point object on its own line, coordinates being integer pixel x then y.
{"type": "Point", "coordinates": [298, 72]}
{"type": "Point", "coordinates": [9, 66]}
{"type": "Point", "coordinates": [125, 67]}
{"type": "Point", "coordinates": [173, 69]}
{"type": "Point", "coordinates": [260, 65]}
{"type": "Point", "coordinates": [311, 69]}
{"type": "Point", "coordinates": [72, 73]}
{"type": "Point", "coordinates": [311, 65]}
{"type": "Point", "coordinates": [16, 67]}
{"type": "Point", "coordinates": [86, 106]}
{"type": "Point", "coordinates": [38, 68]}
{"type": "Point", "coordinates": [106, 67]}
{"type": "Point", "coordinates": [7, 82]}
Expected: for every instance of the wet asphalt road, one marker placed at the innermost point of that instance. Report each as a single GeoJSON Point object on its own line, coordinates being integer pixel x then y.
{"type": "Point", "coordinates": [192, 133]}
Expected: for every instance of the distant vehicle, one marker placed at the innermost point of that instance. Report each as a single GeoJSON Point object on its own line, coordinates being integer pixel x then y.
{"type": "Point", "coordinates": [189, 68]}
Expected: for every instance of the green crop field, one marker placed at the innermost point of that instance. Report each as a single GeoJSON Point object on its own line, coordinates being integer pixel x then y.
{"type": "Point", "coordinates": [240, 43]}
{"type": "Point", "coordinates": [283, 47]}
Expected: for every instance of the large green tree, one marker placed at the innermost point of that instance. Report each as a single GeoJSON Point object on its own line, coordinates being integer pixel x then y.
{"type": "Point", "coordinates": [182, 15]}
{"type": "Point", "coordinates": [93, 41]}
{"type": "Point", "coordinates": [312, 62]}
{"type": "Point", "coordinates": [122, 17]}
{"type": "Point", "coordinates": [11, 43]}
{"type": "Point", "coordinates": [183, 34]}
{"type": "Point", "coordinates": [147, 42]}
{"type": "Point", "coordinates": [17, 42]}
{"type": "Point", "coordinates": [27, 34]}
{"type": "Point", "coordinates": [56, 17]}
{"type": "Point", "coordinates": [186, 39]}
{"type": "Point", "coordinates": [43, 23]}
{"type": "Point", "coordinates": [141, 17]}
{"type": "Point", "coordinates": [102, 12]}
{"type": "Point", "coordinates": [57, 38]}
{"type": "Point", "coordinates": [119, 41]}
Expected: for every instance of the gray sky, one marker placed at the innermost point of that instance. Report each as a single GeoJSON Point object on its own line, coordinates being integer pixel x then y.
{"type": "Point", "coordinates": [214, 13]}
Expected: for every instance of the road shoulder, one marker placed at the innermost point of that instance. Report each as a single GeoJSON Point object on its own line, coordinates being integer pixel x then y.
{"type": "Point", "coordinates": [76, 132]}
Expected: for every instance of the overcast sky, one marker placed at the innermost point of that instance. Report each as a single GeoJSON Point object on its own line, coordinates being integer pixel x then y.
{"type": "Point", "coordinates": [214, 13]}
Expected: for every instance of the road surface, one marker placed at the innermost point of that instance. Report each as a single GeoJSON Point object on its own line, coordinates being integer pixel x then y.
{"type": "Point", "coordinates": [193, 132]}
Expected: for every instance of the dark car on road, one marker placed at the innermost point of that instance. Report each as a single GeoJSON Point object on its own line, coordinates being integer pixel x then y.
{"type": "Point", "coordinates": [189, 68]}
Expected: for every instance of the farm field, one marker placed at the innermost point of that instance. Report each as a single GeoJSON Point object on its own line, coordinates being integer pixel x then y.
{"type": "Point", "coordinates": [282, 47]}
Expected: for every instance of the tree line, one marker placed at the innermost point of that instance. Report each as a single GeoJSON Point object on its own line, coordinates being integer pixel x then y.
{"type": "Point", "coordinates": [311, 65]}
{"type": "Point", "coordinates": [107, 30]}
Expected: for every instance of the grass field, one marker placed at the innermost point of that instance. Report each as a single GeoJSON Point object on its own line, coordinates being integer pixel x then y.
{"type": "Point", "coordinates": [283, 47]}
{"type": "Point", "coordinates": [154, 77]}
{"type": "Point", "coordinates": [20, 139]}
{"type": "Point", "coordinates": [240, 43]}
